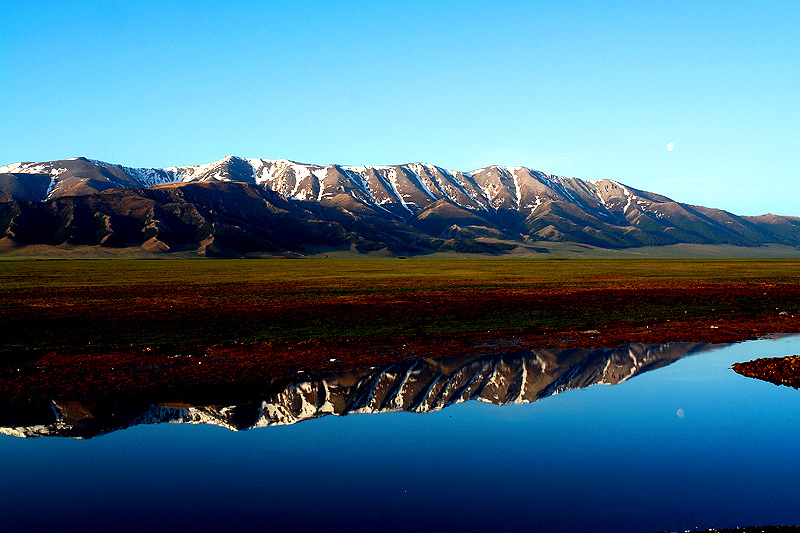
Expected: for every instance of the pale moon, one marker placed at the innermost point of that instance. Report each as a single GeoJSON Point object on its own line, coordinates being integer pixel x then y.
{"type": "Point", "coordinates": [670, 147]}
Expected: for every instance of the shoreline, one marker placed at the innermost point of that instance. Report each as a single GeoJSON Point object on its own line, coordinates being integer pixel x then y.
{"type": "Point", "coordinates": [81, 329]}
{"type": "Point", "coordinates": [166, 370]}
{"type": "Point", "coordinates": [775, 370]}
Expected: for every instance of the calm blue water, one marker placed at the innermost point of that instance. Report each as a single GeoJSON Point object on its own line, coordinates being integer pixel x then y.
{"type": "Point", "coordinates": [689, 445]}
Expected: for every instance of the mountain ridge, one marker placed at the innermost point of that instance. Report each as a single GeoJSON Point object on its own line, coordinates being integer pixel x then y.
{"type": "Point", "coordinates": [513, 204]}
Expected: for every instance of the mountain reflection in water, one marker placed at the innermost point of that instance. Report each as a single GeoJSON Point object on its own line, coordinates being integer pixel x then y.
{"type": "Point", "coordinates": [421, 386]}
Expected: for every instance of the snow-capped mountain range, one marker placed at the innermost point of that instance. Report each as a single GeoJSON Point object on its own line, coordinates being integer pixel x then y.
{"type": "Point", "coordinates": [502, 203]}
{"type": "Point", "coordinates": [420, 386]}
{"type": "Point", "coordinates": [397, 188]}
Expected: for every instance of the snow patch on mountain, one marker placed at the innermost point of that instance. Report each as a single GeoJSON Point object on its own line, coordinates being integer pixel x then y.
{"type": "Point", "coordinates": [50, 187]}
{"type": "Point", "coordinates": [33, 168]}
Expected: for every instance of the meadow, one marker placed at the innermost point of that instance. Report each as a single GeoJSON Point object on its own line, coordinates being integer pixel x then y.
{"type": "Point", "coordinates": [52, 304]}
{"type": "Point", "coordinates": [291, 314]}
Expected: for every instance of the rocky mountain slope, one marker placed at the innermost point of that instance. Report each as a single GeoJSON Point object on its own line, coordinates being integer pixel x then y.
{"type": "Point", "coordinates": [413, 207]}
{"type": "Point", "coordinates": [419, 386]}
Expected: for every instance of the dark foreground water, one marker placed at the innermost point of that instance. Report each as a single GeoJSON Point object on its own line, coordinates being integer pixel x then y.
{"type": "Point", "coordinates": [690, 444]}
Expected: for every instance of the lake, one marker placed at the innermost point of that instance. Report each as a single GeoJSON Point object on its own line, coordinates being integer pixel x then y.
{"type": "Point", "coordinates": [677, 441]}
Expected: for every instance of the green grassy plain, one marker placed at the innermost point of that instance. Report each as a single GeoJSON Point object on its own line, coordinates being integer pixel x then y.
{"type": "Point", "coordinates": [52, 305]}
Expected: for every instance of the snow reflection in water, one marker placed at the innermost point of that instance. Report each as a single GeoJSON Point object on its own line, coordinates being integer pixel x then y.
{"type": "Point", "coordinates": [420, 386]}
{"type": "Point", "coordinates": [691, 446]}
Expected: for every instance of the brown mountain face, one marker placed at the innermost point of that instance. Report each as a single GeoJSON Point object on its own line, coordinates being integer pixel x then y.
{"type": "Point", "coordinates": [215, 218]}
{"type": "Point", "coordinates": [404, 208]}
{"type": "Point", "coordinates": [26, 187]}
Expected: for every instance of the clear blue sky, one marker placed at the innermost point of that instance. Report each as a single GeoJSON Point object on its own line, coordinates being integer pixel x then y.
{"type": "Point", "coordinates": [593, 90]}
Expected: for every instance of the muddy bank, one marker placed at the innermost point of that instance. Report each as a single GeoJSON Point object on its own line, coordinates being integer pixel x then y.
{"type": "Point", "coordinates": [748, 529]}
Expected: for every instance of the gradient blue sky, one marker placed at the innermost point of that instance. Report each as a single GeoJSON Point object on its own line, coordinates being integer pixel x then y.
{"type": "Point", "coordinates": [593, 90]}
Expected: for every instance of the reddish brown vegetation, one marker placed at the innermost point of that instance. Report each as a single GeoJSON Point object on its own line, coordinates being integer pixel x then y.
{"type": "Point", "coordinates": [135, 336]}
{"type": "Point", "coordinates": [74, 374]}
{"type": "Point", "coordinates": [777, 370]}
